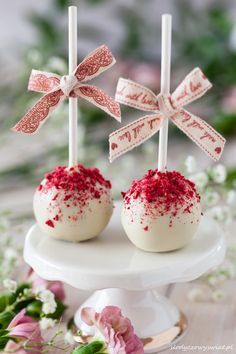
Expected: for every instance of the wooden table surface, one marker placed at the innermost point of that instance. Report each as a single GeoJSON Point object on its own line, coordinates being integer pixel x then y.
{"type": "Point", "coordinates": [209, 323]}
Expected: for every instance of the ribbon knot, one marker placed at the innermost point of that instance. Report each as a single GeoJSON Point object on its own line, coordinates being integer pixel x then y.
{"type": "Point", "coordinates": [57, 88]}
{"type": "Point", "coordinates": [162, 106]}
{"type": "Point", "coordinates": [67, 84]}
{"type": "Point", "coordinates": [165, 105]}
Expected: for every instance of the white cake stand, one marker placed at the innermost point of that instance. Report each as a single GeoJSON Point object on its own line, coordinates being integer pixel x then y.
{"type": "Point", "coordinates": [125, 276]}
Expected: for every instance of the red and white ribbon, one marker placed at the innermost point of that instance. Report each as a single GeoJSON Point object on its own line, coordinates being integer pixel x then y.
{"type": "Point", "coordinates": [162, 107]}
{"type": "Point", "coordinates": [57, 88]}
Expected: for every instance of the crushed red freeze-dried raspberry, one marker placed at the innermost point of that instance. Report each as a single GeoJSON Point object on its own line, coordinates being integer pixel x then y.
{"type": "Point", "coordinates": [75, 187]}
{"type": "Point", "coordinates": [67, 197]}
{"type": "Point", "coordinates": [163, 192]}
{"type": "Point", "coordinates": [145, 228]}
{"type": "Point", "coordinates": [55, 197]}
{"type": "Point", "coordinates": [49, 223]}
{"type": "Point", "coordinates": [79, 179]}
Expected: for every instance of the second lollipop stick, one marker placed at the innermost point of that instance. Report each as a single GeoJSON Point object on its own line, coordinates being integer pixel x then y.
{"type": "Point", "coordinates": [165, 86]}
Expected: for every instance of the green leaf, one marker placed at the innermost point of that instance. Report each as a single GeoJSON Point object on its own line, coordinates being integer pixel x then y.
{"type": "Point", "coordinates": [21, 287]}
{"type": "Point", "coordinates": [62, 4]}
{"type": "Point", "coordinates": [90, 348]}
{"type": "Point", "coordinates": [231, 178]}
{"type": "Point", "coordinates": [22, 304]}
{"type": "Point", "coordinates": [3, 338]}
{"type": "Point", "coordinates": [34, 309]}
{"type": "Point", "coordinates": [226, 124]}
{"type": "Point", "coordinates": [5, 319]}
{"type": "Point", "coordinates": [6, 299]}
{"type": "Point", "coordinates": [3, 342]}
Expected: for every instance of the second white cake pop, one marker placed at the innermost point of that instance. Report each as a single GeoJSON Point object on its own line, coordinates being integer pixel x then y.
{"type": "Point", "coordinates": [161, 211]}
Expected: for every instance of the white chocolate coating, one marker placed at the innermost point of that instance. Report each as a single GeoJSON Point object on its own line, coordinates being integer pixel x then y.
{"type": "Point", "coordinates": [159, 236]}
{"type": "Point", "coordinates": [71, 222]}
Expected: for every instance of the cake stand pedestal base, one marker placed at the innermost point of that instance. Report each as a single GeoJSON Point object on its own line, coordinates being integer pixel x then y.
{"type": "Point", "coordinates": [124, 276]}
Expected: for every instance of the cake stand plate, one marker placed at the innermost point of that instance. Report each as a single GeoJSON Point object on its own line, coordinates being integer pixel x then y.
{"type": "Point", "coordinates": [124, 276]}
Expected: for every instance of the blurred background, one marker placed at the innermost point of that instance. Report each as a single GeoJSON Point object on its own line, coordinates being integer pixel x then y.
{"type": "Point", "coordinates": [34, 35]}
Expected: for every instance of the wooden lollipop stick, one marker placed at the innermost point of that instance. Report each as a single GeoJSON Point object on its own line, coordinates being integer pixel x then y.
{"type": "Point", "coordinates": [165, 86]}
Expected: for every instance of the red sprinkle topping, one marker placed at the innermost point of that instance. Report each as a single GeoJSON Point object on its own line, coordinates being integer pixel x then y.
{"type": "Point", "coordinates": [75, 187]}
{"type": "Point", "coordinates": [145, 228]}
{"type": "Point", "coordinates": [49, 223]}
{"type": "Point", "coordinates": [163, 192]}
{"type": "Point", "coordinates": [76, 179]}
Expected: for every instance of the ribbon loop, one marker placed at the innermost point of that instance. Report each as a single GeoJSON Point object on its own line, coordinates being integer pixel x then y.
{"type": "Point", "coordinates": [136, 96]}
{"type": "Point", "coordinates": [98, 61]}
{"type": "Point", "coordinates": [171, 106]}
{"type": "Point", "coordinates": [43, 81]}
{"type": "Point", "coordinates": [57, 88]}
{"type": "Point", "coordinates": [194, 85]}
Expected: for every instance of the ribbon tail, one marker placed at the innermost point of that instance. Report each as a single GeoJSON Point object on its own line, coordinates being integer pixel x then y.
{"type": "Point", "coordinates": [41, 81]}
{"type": "Point", "coordinates": [133, 134]}
{"type": "Point", "coordinates": [136, 96]}
{"type": "Point", "coordinates": [38, 114]}
{"type": "Point", "coordinates": [100, 99]}
{"type": "Point", "coordinates": [200, 132]}
{"type": "Point", "coordinates": [98, 61]}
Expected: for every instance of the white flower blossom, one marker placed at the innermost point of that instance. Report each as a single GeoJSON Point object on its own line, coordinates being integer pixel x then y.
{"type": "Point", "coordinates": [46, 295]}
{"type": "Point", "coordinates": [231, 197]}
{"type": "Point", "coordinates": [200, 179]}
{"type": "Point", "coordinates": [218, 173]}
{"type": "Point", "coordinates": [48, 300]}
{"type": "Point", "coordinates": [39, 289]}
{"type": "Point", "coordinates": [210, 198]}
{"type": "Point", "coordinates": [10, 254]}
{"type": "Point", "coordinates": [49, 307]}
{"type": "Point", "coordinates": [10, 285]}
{"type": "Point", "coordinates": [69, 338]}
{"type": "Point", "coordinates": [195, 295]}
{"type": "Point", "coordinates": [190, 164]}
{"type": "Point", "coordinates": [46, 323]}
{"type": "Point", "coordinates": [213, 280]}
{"type": "Point", "coordinates": [220, 213]}
{"type": "Point", "coordinates": [218, 295]}
{"type": "Point", "coordinates": [27, 292]}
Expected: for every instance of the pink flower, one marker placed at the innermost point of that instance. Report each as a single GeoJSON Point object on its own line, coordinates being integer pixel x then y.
{"type": "Point", "coordinates": [116, 329]}
{"type": "Point", "coordinates": [56, 287]}
{"type": "Point", "coordinates": [13, 347]}
{"type": "Point", "coordinates": [24, 327]}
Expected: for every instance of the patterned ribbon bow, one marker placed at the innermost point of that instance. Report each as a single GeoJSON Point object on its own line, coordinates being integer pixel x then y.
{"type": "Point", "coordinates": [165, 106]}
{"type": "Point", "coordinates": [58, 88]}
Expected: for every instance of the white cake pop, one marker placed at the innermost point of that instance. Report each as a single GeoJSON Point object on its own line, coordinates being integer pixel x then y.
{"type": "Point", "coordinates": [73, 204]}
{"type": "Point", "coordinates": [161, 211]}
